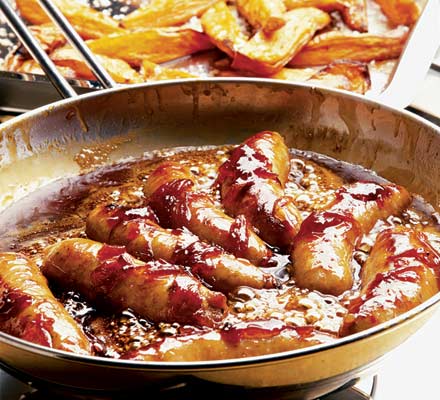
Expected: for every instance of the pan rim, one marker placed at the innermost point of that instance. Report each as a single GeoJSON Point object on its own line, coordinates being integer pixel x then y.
{"type": "Point", "coordinates": [205, 366]}
{"type": "Point", "coordinates": [230, 80]}
{"type": "Point", "coordinates": [227, 363]}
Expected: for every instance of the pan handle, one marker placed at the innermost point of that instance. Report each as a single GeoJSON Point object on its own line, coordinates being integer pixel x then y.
{"type": "Point", "coordinates": [24, 34]}
{"type": "Point", "coordinates": [78, 43]}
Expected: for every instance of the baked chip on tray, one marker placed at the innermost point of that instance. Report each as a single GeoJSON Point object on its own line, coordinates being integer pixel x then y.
{"type": "Point", "coordinates": [88, 22]}
{"type": "Point", "coordinates": [332, 43]}
{"type": "Point", "coordinates": [353, 12]}
{"type": "Point", "coordinates": [159, 13]}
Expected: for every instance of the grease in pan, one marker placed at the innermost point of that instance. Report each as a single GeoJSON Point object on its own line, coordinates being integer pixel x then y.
{"type": "Point", "coordinates": [205, 304]}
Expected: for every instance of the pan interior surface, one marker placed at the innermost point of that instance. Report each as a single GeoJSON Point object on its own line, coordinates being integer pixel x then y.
{"type": "Point", "coordinates": [54, 142]}
{"type": "Point", "coordinates": [130, 121]}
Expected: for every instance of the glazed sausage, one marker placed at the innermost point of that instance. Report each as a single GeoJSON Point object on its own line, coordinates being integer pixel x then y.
{"type": "Point", "coordinates": [29, 310]}
{"type": "Point", "coordinates": [252, 184]}
{"type": "Point", "coordinates": [325, 243]}
{"type": "Point", "coordinates": [155, 290]}
{"type": "Point", "coordinates": [145, 239]}
{"type": "Point", "coordinates": [172, 196]}
{"type": "Point", "coordinates": [400, 273]}
{"type": "Point", "coordinates": [245, 339]}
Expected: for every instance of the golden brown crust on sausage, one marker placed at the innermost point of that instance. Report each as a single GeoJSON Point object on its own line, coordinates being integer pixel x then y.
{"type": "Point", "coordinates": [252, 184]}
{"type": "Point", "coordinates": [324, 246]}
{"type": "Point", "coordinates": [155, 290]}
{"type": "Point", "coordinates": [144, 238]}
{"type": "Point", "coordinates": [245, 339]}
{"type": "Point", "coordinates": [172, 196]}
{"type": "Point", "coordinates": [400, 273]}
{"type": "Point", "coordinates": [29, 310]}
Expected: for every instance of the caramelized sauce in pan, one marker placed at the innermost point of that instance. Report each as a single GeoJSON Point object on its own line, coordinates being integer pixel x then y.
{"type": "Point", "coordinates": [59, 211]}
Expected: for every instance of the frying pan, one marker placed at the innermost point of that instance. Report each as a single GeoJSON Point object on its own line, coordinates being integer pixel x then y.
{"type": "Point", "coordinates": [40, 146]}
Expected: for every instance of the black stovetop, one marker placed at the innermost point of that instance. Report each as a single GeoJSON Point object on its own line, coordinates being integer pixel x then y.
{"type": "Point", "coordinates": [13, 389]}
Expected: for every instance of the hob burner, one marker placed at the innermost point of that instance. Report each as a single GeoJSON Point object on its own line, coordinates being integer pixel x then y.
{"type": "Point", "coordinates": [13, 389]}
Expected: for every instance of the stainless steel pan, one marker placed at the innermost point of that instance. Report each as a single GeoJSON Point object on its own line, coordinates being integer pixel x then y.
{"type": "Point", "coordinates": [40, 146]}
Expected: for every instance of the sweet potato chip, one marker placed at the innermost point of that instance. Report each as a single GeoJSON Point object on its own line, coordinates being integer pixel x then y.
{"type": "Point", "coordinates": [354, 12]}
{"type": "Point", "coordinates": [88, 22]}
{"type": "Point", "coordinates": [155, 44]}
{"type": "Point", "coordinates": [202, 64]}
{"type": "Point", "coordinates": [265, 14]}
{"type": "Point", "coordinates": [154, 72]}
{"type": "Point", "coordinates": [119, 70]}
{"type": "Point", "coordinates": [400, 12]}
{"type": "Point", "coordinates": [160, 13]}
{"type": "Point", "coordinates": [32, 67]}
{"type": "Point", "coordinates": [223, 29]}
{"type": "Point", "coordinates": [265, 55]}
{"type": "Point", "coordinates": [348, 76]}
{"type": "Point", "coordinates": [259, 37]}
{"type": "Point", "coordinates": [334, 46]}
{"type": "Point", "coordinates": [49, 36]}
{"type": "Point", "coordinates": [223, 69]}
{"type": "Point", "coordinates": [296, 74]}
{"type": "Point", "coordinates": [12, 61]}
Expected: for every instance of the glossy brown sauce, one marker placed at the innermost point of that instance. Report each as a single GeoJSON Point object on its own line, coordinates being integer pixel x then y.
{"type": "Point", "coordinates": [60, 209]}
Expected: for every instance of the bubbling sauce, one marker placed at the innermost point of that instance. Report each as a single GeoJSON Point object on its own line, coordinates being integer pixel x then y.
{"type": "Point", "coordinates": [59, 211]}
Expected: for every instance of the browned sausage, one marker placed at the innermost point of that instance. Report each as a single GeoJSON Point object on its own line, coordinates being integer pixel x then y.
{"type": "Point", "coordinates": [400, 273]}
{"type": "Point", "coordinates": [252, 184]}
{"type": "Point", "coordinates": [145, 239]}
{"type": "Point", "coordinates": [172, 196]}
{"type": "Point", "coordinates": [324, 246]}
{"type": "Point", "coordinates": [245, 339]}
{"type": "Point", "coordinates": [29, 310]}
{"type": "Point", "coordinates": [156, 290]}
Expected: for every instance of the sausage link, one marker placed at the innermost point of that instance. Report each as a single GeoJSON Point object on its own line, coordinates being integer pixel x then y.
{"type": "Point", "coordinates": [172, 196]}
{"type": "Point", "coordinates": [245, 339]}
{"type": "Point", "coordinates": [400, 273]}
{"type": "Point", "coordinates": [155, 290]}
{"type": "Point", "coordinates": [323, 248]}
{"type": "Point", "coordinates": [146, 240]}
{"type": "Point", "coordinates": [252, 184]}
{"type": "Point", "coordinates": [29, 310]}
